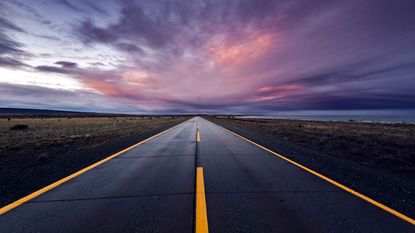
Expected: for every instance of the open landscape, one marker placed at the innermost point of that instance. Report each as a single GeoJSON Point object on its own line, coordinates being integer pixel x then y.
{"type": "Point", "coordinates": [38, 150]}
{"type": "Point", "coordinates": [207, 116]}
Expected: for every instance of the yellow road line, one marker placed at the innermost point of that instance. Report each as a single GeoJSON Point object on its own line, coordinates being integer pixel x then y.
{"type": "Point", "coordinates": [201, 212]}
{"type": "Point", "coordinates": [368, 199]}
{"type": "Point", "coordinates": [197, 136]}
{"type": "Point", "coordinates": [61, 181]}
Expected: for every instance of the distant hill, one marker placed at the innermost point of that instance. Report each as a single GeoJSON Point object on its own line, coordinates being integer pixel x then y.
{"type": "Point", "coordinates": [42, 112]}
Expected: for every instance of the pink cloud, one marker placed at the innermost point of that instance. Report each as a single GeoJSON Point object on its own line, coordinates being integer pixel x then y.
{"type": "Point", "coordinates": [267, 93]}
{"type": "Point", "coordinates": [138, 79]}
{"type": "Point", "coordinates": [104, 88]}
{"type": "Point", "coordinates": [239, 51]}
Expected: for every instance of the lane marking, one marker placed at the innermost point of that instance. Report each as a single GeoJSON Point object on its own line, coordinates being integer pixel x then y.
{"type": "Point", "coordinates": [345, 188]}
{"type": "Point", "coordinates": [63, 180]}
{"type": "Point", "coordinates": [201, 212]}
{"type": "Point", "coordinates": [197, 136]}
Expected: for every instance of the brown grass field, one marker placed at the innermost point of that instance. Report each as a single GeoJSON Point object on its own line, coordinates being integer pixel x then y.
{"type": "Point", "coordinates": [385, 146]}
{"type": "Point", "coordinates": [44, 132]}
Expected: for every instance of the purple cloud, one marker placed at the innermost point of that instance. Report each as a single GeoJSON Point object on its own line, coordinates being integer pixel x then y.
{"type": "Point", "coordinates": [237, 56]}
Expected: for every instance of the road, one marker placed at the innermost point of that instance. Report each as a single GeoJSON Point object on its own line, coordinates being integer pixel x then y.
{"type": "Point", "coordinates": [240, 188]}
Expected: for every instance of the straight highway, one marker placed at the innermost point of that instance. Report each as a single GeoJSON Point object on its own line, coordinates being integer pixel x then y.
{"type": "Point", "coordinates": [198, 177]}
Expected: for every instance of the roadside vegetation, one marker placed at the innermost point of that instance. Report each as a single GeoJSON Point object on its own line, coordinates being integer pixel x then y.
{"type": "Point", "coordinates": [19, 133]}
{"type": "Point", "coordinates": [385, 146]}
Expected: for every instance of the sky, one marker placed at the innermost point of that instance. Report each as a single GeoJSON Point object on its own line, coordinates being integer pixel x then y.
{"type": "Point", "coordinates": [216, 56]}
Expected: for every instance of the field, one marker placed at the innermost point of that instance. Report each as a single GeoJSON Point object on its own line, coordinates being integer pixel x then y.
{"type": "Point", "coordinates": [45, 132]}
{"type": "Point", "coordinates": [384, 146]}
{"type": "Point", "coordinates": [53, 147]}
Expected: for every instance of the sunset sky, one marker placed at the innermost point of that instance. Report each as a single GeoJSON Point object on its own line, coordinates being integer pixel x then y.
{"type": "Point", "coordinates": [224, 56]}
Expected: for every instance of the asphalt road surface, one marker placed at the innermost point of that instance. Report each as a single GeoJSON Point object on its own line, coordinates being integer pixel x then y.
{"type": "Point", "coordinates": [151, 188]}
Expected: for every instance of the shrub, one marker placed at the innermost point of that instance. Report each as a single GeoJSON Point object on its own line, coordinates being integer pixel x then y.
{"type": "Point", "coordinates": [19, 127]}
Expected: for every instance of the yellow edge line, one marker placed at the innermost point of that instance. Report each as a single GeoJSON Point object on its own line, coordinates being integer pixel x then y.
{"type": "Point", "coordinates": [368, 199]}
{"type": "Point", "coordinates": [201, 212]}
{"type": "Point", "coordinates": [61, 181]}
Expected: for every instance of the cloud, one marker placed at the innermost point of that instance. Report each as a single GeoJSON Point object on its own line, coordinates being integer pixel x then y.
{"type": "Point", "coordinates": [11, 63]}
{"type": "Point", "coordinates": [70, 6]}
{"type": "Point", "coordinates": [10, 52]}
{"type": "Point", "coordinates": [236, 55]}
{"type": "Point", "coordinates": [133, 25]}
{"type": "Point", "coordinates": [241, 51]}
{"type": "Point", "coordinates": [67, 64]}
{"type": "Point", "coordinates": [39, 97]}
{"type": "Point", "coordinates": [96, 8]}
{"type": "Point", "coordinates": [268, 93]}
{"type": "Point", "coordinates": [53, 69]}
{"type": "Point", "coordinates": [65, 67]}
{"type": "Point", "coordinates": [9, 46]}
{"type": "Point", "coordinates": [6, 24]}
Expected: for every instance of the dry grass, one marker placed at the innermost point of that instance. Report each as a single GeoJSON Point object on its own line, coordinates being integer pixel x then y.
{"type": "Point", "coordinates": [378, 145]}
{"type": "Point", "coordinates": [54, 131]}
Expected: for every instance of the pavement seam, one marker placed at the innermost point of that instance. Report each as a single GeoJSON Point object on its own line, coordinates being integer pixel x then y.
{"type": "Point", "coordinates": [115, 197]}
{"type": "Point", "coordinates": [156, 156]}
{"type": "Point", "coordinates": [272, 192]}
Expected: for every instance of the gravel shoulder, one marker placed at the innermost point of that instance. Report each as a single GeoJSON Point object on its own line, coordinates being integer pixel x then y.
{"type": "Point", "coordinates": [375, 159]}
